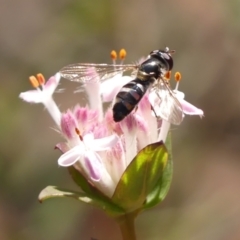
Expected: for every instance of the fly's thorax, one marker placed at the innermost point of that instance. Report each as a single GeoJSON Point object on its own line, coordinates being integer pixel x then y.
{"type": "Point", "coordinates": [153, 67]}
{"type": "Point", "coordinates": [150, 68]}
{"type": "Point", "coordinates": [164, 57]}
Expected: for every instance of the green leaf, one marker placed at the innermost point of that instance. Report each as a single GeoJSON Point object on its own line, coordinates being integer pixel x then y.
{"type": "Point", "coordinates": [107, 206]}
{"type": "Point", "coordinates": [141, 177]}
{"type": "Point", "coordinates": [161, 189]}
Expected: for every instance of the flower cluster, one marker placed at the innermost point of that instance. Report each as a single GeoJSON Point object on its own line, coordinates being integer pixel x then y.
{"type": "Point", "coordinates": [99, 148]}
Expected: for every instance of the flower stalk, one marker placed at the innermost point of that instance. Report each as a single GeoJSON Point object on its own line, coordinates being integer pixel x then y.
{"type": "Point", "coordinates": [126, 225]}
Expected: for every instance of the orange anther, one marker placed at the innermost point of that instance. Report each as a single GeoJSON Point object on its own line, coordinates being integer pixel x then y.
{"type": "Point", "coordinates": [40, 79]}
{"type": "Point", "coordinates": [77, 131]}
{"type": "Point", "coordinates": [177, 76]}
{"type": "Point", "coordinates": [122, 54]}
{"type": "Point", "coordinates": [79, 134]}
{"type": "Point", "coordinates": [113, 55]}
{"type": "Point", "coordinates": [167, 75]}
{"type": "Point", "coordinates": [34, 81]}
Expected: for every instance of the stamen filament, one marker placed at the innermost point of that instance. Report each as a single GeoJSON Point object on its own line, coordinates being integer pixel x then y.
{"type": "Point", "coordinates": [113, 55]}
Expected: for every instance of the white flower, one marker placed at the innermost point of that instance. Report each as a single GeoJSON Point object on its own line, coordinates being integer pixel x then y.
{"type": "Point", "coordinates": [86, 146]}
{"type": "Point", "coordinates": [43, 94]}
{"type": "Point", "coordinates": [85, 157]}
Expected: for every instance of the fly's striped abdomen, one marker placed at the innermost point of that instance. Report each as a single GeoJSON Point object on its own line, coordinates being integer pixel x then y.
{"type": "Point", "coordinates": [128, 98]}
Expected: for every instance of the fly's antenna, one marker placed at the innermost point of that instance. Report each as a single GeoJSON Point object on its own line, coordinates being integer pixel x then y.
{"type": "Point", "coordinates": [169, 51]}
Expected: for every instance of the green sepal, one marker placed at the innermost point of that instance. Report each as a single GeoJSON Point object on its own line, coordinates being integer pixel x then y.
{"type": "Point", "coordinates": [104, 204]}
{"type": "Point", "coordinates": [140, 177]}
{"type": "Point", "coordinates": [91, 191]}
{"type": "Point", "coordinates": [161, 189]}
{"type": "Point", "coordinates": [82, 182]}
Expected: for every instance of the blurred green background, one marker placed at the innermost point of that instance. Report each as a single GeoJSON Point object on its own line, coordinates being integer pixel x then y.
{"type": "Point", "coordinates": [43, 36]}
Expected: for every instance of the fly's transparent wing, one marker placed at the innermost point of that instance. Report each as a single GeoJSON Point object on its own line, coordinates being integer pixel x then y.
{"type": "Point", "coordinates": [170, 108]}
{"type": "Point", "coordinates": [82, 72]}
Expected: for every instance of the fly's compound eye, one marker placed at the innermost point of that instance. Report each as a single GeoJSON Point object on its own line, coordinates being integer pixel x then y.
{"type": "Point", "coordinates": [154, 52]}
{"type": "Point", "coordinates": [165, 55]}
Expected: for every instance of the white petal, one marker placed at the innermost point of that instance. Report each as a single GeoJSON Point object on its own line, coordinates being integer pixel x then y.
{"type": "Point", "coordinates": [57, 77]}
{"type": "Point", "coordinates": [111, 87]}
{"type": "Point", "coordinates": [187, 107]}
{"type": "Point", "coordinates": [130, 128]}
{"type": "Point", "coordinates": [93, 165]}
{"type": "Point", "coordinates": [104, 143]}
{"type": "Point", "coordinates": [51, 84]}
{"type": "Point", "coordinates": [190, 109]}
{"type": "Point", "coordinates": [98, 173]}
{"type": "Point", "coordinates": [179, 94]}
{"type": "Point", "coordinates": [115, 161]}
{"type": "Point", "coordinates": [71, 156]}
{"type": "Point", "coordinates": [92, 88]}
{"type": "Point", "coordinates": [62, 146]}
{"type": "Point", "coordinates": [88, 139]}
{"type": "Point", "coordinates": [32, 96]}
{"type": "Point", "coordinates": [164, 131]}
{"type": "Point", "coordinates": [144, 108]}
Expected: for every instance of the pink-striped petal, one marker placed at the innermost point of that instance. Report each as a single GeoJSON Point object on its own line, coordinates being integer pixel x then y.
{"type": "Point", "coordinates": [63, 147]}
{"type": "Point", "coordinates": [93, 165]}
{"type": "Point", "coordinates": [190, 109]}
{"type": "Point", "coordinates": [52, 83]}
{"type": "Point", "coordinates": [69, 125]}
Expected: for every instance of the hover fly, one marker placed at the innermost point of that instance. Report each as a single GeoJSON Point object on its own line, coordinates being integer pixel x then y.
{"type": "Point", "coordinates": [149, 76]}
